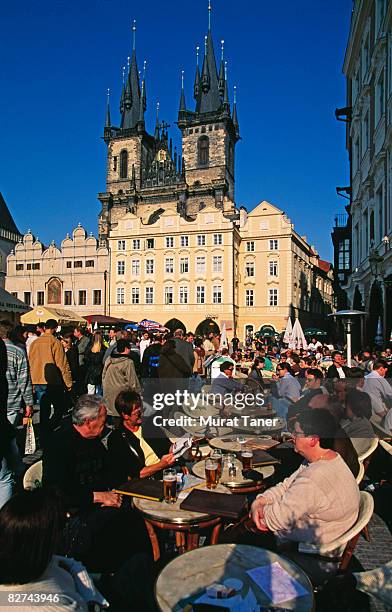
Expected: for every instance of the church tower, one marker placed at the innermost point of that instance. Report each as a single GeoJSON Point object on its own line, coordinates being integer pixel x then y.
{"type": "Point", "coordinates": [209, 134]}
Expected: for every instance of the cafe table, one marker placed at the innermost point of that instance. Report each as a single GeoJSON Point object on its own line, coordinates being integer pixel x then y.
{"type": "Point", "coordinates": [237, 483]}
{"type": "Point", "coordinates": [186, 578]}
{"type": "Point", "coordinates": [229, 443]}
{"type": "Point", "coordinates": [186, 525]}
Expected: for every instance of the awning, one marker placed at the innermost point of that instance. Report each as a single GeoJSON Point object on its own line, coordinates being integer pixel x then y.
{"type": "Point", "coordinates": [9, 303]}
{"type": "Point", "coordinates": [43, 313]}
{"type": "Point", "coordinates": [106, 320]}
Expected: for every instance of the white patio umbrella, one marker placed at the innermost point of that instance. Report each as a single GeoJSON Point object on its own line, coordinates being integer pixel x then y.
{"type": "Point", "coordinates": [288, 334]}
{"type": "Point", "coordinates": [223, 340]}
{"type": "Point", "coordinates": [299, 340]}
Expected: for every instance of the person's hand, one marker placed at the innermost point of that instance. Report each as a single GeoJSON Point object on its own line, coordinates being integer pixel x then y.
{"type": "Point", "coordinates": [167, 460]}
{"type": "Point", "coordinates": [108, 498]}
{"type": "Point", "coordinates": [29, 411]}
{"type": "Point", "coordinates": [257, 513]}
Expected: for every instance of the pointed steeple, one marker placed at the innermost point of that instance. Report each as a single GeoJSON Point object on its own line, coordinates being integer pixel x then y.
{"type": "Point", "coordinates": [156, 133]}
{"type": "Point", "coordinates": [182, 108]}
{"type": "Point", "coordinates": [132, 90]}
{"type": "Point", "coordinates": [107, 120]}
{"type": "Point", "coordinates": [122, 99]}
{"type": "Point", "coordinates": [209, 99]}
{"type": "Point", "coordinates": [196, 85]}
{"type": "Point", "coordinates": [226, 101]}
{"type": "Point", "coordinates": [235, 117]}
{"type": "Point", "coordinates": [144, 93]}
{"type": "Point", "coordinates": [222, 71]}
{"type": "Point", "coordinates": [205, 73]}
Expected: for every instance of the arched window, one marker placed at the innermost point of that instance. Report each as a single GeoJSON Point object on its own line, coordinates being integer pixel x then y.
{"type": "Point", "coordinates": [203, 148]}
{"type": "Point", "coordinates": [123, 164]}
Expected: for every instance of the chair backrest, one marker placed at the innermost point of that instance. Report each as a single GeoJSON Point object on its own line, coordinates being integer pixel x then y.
{"type": "Point", "coordinates": [378, 429]}
{"type": "Point", "coordinates": [361, 473]}
{"type": "Point", "coordinates": [369, 451]}
{"type": "Point", "coordinates": [387, 447]}
{"type": "Point", "coordinates": [33, 476]}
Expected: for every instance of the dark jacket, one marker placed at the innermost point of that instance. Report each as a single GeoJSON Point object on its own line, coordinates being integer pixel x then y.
{"type": "Point", "coordinates": [222, 385]}
{"type": "Point", "coordinates": [185, 349]}
{"type": "Point", "coordinates": [72, 356]}
{"type": "Point", "coordinates": [333, 373]}
{"type": "Point", "coordinates": [172, 365]}
{"type": "Point", "coordinates": [126, 449]}
{"type": "Point", "coordinates": [94, 366]}
{"type": "Point", "coordinates": [150, 361]}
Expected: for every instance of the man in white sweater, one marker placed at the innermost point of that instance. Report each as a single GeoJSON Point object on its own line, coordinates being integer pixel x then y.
{"type": "Point", "coordinates": [318, 502]}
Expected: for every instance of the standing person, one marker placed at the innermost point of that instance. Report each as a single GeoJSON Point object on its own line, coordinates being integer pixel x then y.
{"type": "Point", "coordinates": [144, 343]}
{"type": "Point", "coordinates": [112, 336]}
{"type": "Point", "coordinates": [94, 365]}
{"type": "Point", "coordinates": [208, 346]}
{"type": "Point", "coordinates": [150, 362]}
{"type": "Point", "coordinates": [235, 342]}
{"type": "Point", "coordinates": [200, 355]}
{"type": "Point", "coordinates": [72, 355]}
{"type": "Point", "coordinates": [185, 349]}
{"type": "Point", "coordinates": [118, 375]}
{"type": "Point", "coordinates": [82, 344]}
{"type": "Point", "coordinates": [20, 390]}
{"type": "Point", "coordinates": [51, 377]}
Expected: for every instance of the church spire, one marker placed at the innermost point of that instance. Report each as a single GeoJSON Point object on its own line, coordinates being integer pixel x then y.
{"type": "Point", "coordinates": [182, 97]}
{"type": "Point", "coordinates": [107, 120]}
{"type": "Point", "coordinates": [157, 134]}
{"type": "Point", "coordinates": [226, 101]}
{"type": "Point", "coordinates": [209, 99]}
{"type": "Point", "coordinates": [132, 98]}
{"type": "Point", "coordinates": [196, 86]}
{"type": "Point", "coordinates": [235, 117]}
{"type": "Point", "coordinates": [122, 99]}
{"type": "Point", "coordinates": [222, 70]}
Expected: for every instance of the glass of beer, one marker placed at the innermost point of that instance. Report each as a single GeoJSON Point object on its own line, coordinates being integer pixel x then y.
{"type": "Point", "coordinates": [170, 486]}
{"type": "Point", "coordinates": [217, 456]}
{"type": "Point", "coordinates": [211, 468]}
{"type": "Point", "coordinates": [247, 458]}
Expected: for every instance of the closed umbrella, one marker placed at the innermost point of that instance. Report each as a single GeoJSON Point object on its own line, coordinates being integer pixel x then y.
{"type": "Point", "coordinates": [299, 340]}
{"type": "Point", "coordinates": [223, 340]}
{"type": "Point", "coordinates": [288, 334]}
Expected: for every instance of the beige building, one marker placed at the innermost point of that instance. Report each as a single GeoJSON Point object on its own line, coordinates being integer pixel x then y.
{"type": "Point", "coordinates": [74, 275]}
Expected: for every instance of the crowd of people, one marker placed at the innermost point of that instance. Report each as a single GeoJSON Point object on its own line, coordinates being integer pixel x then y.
{"type": "Point", "coordinates": [90, 389]}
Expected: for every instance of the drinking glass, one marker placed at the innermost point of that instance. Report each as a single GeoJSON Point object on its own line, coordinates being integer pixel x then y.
{"type": "Point", "coordinates": [246, 458]}
{"type": "Point", "coordinates": [170, 486]}
{"type": "Point", "coordinates": [217, 456]}
{"type": "Point", "coordinates": [211, 467]}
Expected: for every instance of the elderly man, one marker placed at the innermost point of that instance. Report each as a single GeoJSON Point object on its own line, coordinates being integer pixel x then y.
{"type": "Point", "coordinates": [379, 389]}
{"type": "Point", "coordinates": [104, 531]}
{"type": "Point", "coordinates": [288, 389]}
{"type": "Point", "coordinates": [224, 384]}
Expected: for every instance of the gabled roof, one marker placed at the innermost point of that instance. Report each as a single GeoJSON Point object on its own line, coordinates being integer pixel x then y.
{"type": "Point", "coordinates": [6, 220]}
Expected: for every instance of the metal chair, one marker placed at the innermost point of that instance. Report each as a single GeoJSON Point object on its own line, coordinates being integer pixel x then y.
{"type": "Point", "coordinates": [33, 476]}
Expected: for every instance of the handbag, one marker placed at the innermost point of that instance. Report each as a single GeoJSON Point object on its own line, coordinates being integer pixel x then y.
{"type": "Point", "coordinates": [30, 445]}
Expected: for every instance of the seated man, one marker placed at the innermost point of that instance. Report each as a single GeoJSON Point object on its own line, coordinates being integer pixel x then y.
{"type": "Point", "coordinates": [314, 379]}
{"type": "Point", "coordinates": [320, 501]}
{"type": "Point", "coordinates": [103, 532]}
{"type": "Point", "coordinates": [224, 383]}
{"type": "Point", "coordinates": [288, 389]}
{"type": "Point", "coordinates": [142, 449]}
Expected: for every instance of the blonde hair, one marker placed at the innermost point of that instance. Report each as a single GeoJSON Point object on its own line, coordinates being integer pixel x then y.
{"type": "Point", "coordinates": [97, 342]}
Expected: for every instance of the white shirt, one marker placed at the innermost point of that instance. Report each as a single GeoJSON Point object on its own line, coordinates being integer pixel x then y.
{"type": "Point", "coordinates": [143, 345]}
{"type": "Point", "coordinates": [379, 390]}
{"type": "Point", "coordinates": [341, 373]}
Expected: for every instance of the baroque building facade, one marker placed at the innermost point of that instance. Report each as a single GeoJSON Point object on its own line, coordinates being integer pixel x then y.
{"type": "Point", "coordinates": [363, 242]}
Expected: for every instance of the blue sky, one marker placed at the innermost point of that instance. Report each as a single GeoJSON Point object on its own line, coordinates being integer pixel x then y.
{"type": "Point", "coordinates": [60, 56]}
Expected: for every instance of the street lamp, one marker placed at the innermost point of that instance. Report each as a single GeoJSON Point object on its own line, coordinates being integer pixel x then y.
{"type": "Point", "coordinates": [348, 319]}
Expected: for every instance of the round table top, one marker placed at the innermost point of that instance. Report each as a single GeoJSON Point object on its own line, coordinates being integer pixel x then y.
{"type": "Point", "coordinates": [238, 480]}
{"type": "Point", "coordinates": [185, 578]}
{"type": "Point", "coordinates": [172, 513]}
{"type": "Point", "coordinates": [229, 443]}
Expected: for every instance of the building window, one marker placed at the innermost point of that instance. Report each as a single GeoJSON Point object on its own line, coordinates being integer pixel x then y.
{"type": "Point", "coordinates": [28, 266]}
{"type": "Point", "coordinates": [136, 244]}
{"type": "Point", "coordinates": [168, 295]}
{"type": "Point", "coordinates": [78, 264]}
{"type": "Point", "coordinates": [200, 295]}
{"type": "Point", "coordinates": [273, 297]}
{"type": "Point", "coordinates": [169, 265]}
{"type": "Point", "coordinates": [115, 163]}
{"type": "Point", "coordinates": [200, 265]}
{"type": "Point", "coordinates": [14, 294]}
{"type": "Point", "coordinates": [203, 147]}
{"type": "Point", "coordinates": [135, 263]}
{"type": "Point", "coordinates": [97, 297]}
{"type": "Point", "coordinates": [150, 243]}
{"type": "Point", "coordinates": [273, 268]}
{"type": "Point", "coordinates": [365, 133]}
{"type": "Point", "coordinates": [183, 295]}
{"type": "Point", "coordinates": [344, 255]}
{"type": "Point", "coordinates": [184, 265]}
{"type": "Point", "coordinates": [67, 298]}
{"type": "Point", "coordinates": [149, 266]}
{"type": "Point", "coordinates": [217, 294]}
{"type": "Point", "coordinates": [89, 263]}
{"type": "Point", "coordinates": [365, 57]}
{"type": "Point", "coordinates": [149, 295]}
{"type": "Point", "coordinates": [250, 246]}
{"type": "Point", "coordinates": [217, 261]}
{"type": "Point", "coordinates": [40, 298]}
{"type": "Point", "coordinates": [169, 242]}
{"type": "Point", "coordinates": [19, 267]}
{"type": "Point", "coordinates": [69, 264]}
{"type": "Point", "coordinates": [371, 226]}
{"type": "Point", "coordinates": [201, 240]}
{"type": "Point", "coordinates": [381, 220]}
{"type": "Point", "coordinates": [135, 295]}
{"type": "Point", "coordinates": [218, 239]}
{"type": "Point", "coordinates": [120, 295]}
{"type": "Point", "coordinates": [35, 266]}
{"type": "Point", "coordinates": [273, 245]}
{"type": "Point", "coordinates": [82, 297]}
{"type": "Point", "coordinates": [250, 268]}
{"type": "Point", "coordinates": [123, 164]}
{"type": "Point", "coordinates": [249, 297]}
{"type": "Point", "coordinates": [121, 245]}
{"type": "Point", "coordinates": [184, 241]}
{"type": "Point", "coordinates": [380, 95]}
{"type": "Point", "coordinates": [121, 267]}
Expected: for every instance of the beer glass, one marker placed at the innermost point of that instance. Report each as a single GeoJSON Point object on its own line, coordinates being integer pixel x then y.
{"type": "Point", "coordinates": [211, 468]}
{"type": "Point", "coordinates": [246, 458]}
{"type": "Point", "coordinates": [217, 456]}
{"type": "Point", "coordinates": [170, 486]}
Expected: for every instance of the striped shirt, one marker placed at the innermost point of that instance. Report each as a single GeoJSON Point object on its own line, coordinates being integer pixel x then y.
{"type": "Point", "coordinates": [18, 377]}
